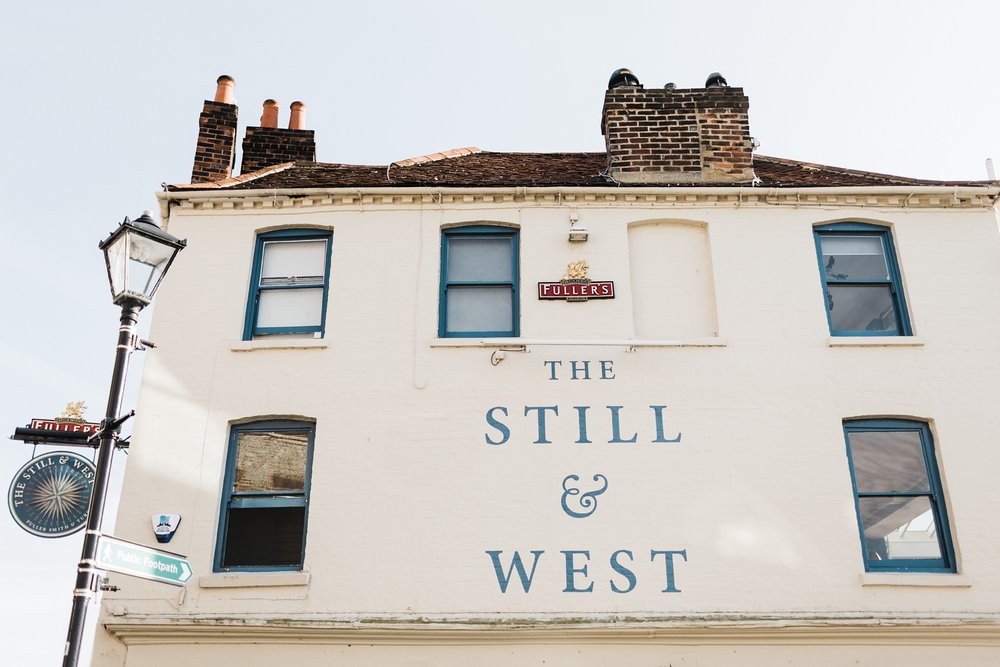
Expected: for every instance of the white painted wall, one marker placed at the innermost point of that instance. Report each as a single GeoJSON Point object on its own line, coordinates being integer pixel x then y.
{"type": "Point", "coordinates": [407, 495]}
{"type": "Point", "coordinates": [670, 276]}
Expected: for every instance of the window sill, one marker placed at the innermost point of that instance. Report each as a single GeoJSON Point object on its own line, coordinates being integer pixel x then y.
{"type": "Point", "coordinates": [875, 341]}
{"type": "Point", "coordinates": [924, 579]}
{"type": "Point", "coordinates": [253, 579]}
{"type": "Point", "coordinates": [521, 343]}
{"type": "Point", "coordinates": [278, 343]}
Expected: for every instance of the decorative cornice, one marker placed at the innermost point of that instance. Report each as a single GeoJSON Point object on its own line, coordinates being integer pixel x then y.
{"type": "Point", "coordinates": [898, 198]}
{"type": "Point", "coordinates": [888, 630]}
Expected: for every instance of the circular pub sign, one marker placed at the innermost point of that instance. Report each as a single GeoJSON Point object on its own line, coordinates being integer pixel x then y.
{"type": "Point", "coordinates": [50, 495]}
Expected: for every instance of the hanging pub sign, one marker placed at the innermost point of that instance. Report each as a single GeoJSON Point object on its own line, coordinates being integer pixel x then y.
{"type": "Point", "coordinates": [576, 286]}
{"type": "Point", "coordinates": [69, 428]}
{"type": "Point", "coordinates": [50, 495]}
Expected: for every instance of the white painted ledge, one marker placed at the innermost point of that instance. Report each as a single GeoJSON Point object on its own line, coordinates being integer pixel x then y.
{"type": "Point", "coordinates": [253, 579]}
{"type": "Point", "coordinates": [695, 630]}
{"type": "Point", "coordinates": [923, 579]}
{"type": "Point", "coordinates": [278, 343]}
{"type": "Point", "coordinates": [519, 344]}
{"type": "Point", "coordinates": [875, 341]}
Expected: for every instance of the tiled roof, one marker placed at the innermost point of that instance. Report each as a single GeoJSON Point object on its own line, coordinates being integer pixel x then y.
{"type": "Point", "coordinates": [468, 167]}
{"type": "Point", "coordinates": [781, 172]}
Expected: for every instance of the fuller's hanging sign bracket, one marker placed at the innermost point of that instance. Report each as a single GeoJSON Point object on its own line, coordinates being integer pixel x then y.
{"type": "Point", "coordinates": [69, 428]}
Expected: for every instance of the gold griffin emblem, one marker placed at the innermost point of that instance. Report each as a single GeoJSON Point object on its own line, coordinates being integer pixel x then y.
{"type": "Point", "coordinates": [576, 272]}
{"type": "Point", "coordinates": [74, 412]}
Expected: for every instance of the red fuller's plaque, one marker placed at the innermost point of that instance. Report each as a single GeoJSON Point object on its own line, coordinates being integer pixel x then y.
{"type": "Point", "coordinates": [572, 290]}
{"type": "Point", "coordinates": [576, 286]}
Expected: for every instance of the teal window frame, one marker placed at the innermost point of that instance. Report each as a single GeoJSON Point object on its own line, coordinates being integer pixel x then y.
{"type": "Point", "coordinates": [250, 328]}
{"type": "Point", "coordinates": [479, 231]}
{"type": "Point", "coordinates": [263, 500]}
{"type": "Point", "coordinates": [894, 280]}
{"type": "Point", "coordinates": [934, 494]}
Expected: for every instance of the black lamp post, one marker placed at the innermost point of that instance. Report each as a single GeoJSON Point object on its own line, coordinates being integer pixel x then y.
{"type": "Point", "coordinates": [138, 255]}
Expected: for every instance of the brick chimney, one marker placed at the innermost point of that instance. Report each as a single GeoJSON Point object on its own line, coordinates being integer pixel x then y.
{"type": "Point", "coordinates": [677, 135]}
{"type": "Point", "coordinates": [269, 144]}
{"type": "Point", "coordinates": [216, 147]}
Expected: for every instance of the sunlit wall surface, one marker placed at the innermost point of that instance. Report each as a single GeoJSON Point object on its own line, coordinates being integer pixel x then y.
{"type": "Point", "coordinates": [659, 477]}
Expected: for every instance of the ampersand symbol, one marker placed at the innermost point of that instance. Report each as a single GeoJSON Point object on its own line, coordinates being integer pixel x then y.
{"type": "Point", "coordinates": [587, 502]}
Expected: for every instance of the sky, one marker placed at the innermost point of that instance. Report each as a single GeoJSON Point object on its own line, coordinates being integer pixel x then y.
{"type": "Point", "coordinates": [100, 105]}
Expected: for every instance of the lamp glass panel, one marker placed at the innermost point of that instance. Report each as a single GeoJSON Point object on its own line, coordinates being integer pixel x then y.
{"type": "Point", "coordinates": [147, 260]}
{"type": "Point", "coordinates": [117, 259]}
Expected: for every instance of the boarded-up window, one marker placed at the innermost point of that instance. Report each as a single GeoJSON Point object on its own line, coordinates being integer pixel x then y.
{"type": "Point", "coordinates": [672, 291]}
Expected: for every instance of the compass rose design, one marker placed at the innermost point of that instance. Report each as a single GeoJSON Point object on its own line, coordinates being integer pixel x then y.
{"type": "Point", "coordinates": [50, 495]}
{"type": "Point", "coordinates": [59, 495]}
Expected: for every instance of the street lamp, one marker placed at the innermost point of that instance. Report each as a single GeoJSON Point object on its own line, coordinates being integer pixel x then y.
{"type": "Point", "coordinates": [138, 255]}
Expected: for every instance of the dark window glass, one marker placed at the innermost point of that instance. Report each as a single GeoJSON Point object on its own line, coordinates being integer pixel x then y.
{"type": "Point", "coordinates": [868, 308]}
{"type": "Point", "coordinates": [861, 286]}
{"type": "Point", "coordinates": [898, 495]}
{"type": "Point", "coordinates": [264, 536]}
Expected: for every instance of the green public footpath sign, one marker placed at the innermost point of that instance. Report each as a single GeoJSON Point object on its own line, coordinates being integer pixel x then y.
{"type": "Point", "coordinates": [139, 561]}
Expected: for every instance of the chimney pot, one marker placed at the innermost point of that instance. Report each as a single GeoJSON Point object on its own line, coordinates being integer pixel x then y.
{"type": "Point", "coordinates": [269, 144]}
{"type": "Point", "coordinates": [716, 80]}
{"type": "Point", "coordinates": [224, 89]}
{"type": "Point", "coordinates": [269, 117]}
{"type": "Point", "coordinates": [297, 120]}
{"type": "Point", "coordinates": [623, 77]}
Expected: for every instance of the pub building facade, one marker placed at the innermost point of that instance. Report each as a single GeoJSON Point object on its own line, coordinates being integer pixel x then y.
{"type": "Point", "coordinates": [677, 402]}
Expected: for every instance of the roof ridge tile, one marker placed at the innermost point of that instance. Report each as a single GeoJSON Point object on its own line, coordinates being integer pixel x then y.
{"type": "Point", "coordinates": [434, 157]}
{"type": "Point", "coordinates": [242, 178]}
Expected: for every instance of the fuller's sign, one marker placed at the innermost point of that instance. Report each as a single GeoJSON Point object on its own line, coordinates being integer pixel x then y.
{"type": "Point", "coordinates": [68, 426]}
{"type": "Point", "coordinates": [577, 290]}
{"type": "Point", "coordinates": [576, 286]}
{"type": "Point", "coordinates": [59, 431]}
